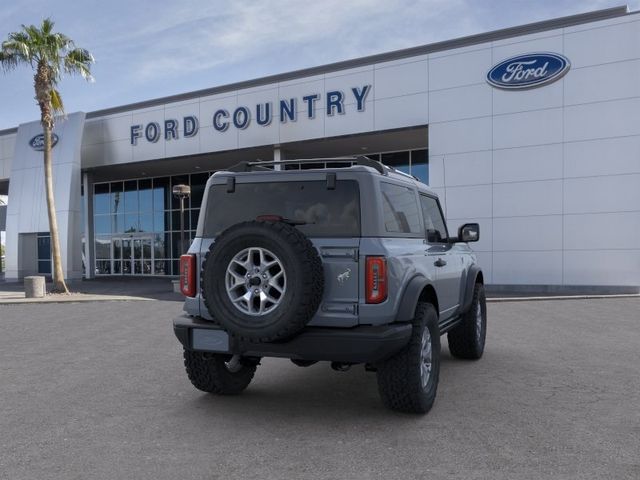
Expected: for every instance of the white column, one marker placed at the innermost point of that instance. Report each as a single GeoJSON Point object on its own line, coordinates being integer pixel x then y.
{"type": "Point", "coordinates": [277, 156]}
{"type": "Point", "coordinates": [87, 186]}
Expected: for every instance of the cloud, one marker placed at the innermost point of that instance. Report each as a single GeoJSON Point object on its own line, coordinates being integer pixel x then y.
{"type": "Point", "coordinates": [183, 40]}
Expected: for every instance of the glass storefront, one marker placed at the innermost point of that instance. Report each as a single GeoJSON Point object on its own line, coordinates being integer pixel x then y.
{"type": "Point", "coordinates": [413, 162]}
{"type": "Point", "coordinates": [137, 224]}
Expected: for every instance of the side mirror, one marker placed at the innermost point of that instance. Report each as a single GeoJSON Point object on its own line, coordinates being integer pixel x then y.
{"type": "Point", "coordinates": [469, 232]}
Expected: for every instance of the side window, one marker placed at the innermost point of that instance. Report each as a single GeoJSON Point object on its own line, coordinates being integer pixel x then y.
{"type": "Point", "coordinates": [400, 209]}
{"type": "Point", "coordinates": [436, 230]}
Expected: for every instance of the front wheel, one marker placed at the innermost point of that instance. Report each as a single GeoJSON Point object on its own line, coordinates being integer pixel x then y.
{"type": "Point", "coordinates": [468, 338]}
{"type": "Point", "coordinates": [408, 381]}
{"type": "Point", "coordinates": [218, 373]}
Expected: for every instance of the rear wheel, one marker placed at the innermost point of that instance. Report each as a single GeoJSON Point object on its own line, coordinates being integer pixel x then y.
{"type": "Point", "coordinates": [468, 338]}
{"type": "Point", "coordinates": [408, 381]}
{"type": "Point", "coordinates": [218, 373]}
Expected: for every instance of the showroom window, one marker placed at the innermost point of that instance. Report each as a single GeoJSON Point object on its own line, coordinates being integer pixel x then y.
{"type": "Point", "coordinates": [413, 162]}
{"type": "Point", "coordinates": [137, 224]}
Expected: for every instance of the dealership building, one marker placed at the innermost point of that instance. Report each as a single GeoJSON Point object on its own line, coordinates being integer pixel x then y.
{"type": "Point", "coordinates": [532, 131]}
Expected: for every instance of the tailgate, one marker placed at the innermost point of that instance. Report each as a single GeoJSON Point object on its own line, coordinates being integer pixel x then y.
{"type": "Point", "coordinates": [339, 305]}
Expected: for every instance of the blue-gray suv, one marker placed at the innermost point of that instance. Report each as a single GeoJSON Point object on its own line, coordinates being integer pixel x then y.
{"type": "Point", "coordinates": [343, 260]}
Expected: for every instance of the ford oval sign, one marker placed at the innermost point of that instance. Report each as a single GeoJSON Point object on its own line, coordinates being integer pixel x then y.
{"type": "Point", "coordinates": [528, 71]}
{"type": "Point", "coordinates": [37, 142]}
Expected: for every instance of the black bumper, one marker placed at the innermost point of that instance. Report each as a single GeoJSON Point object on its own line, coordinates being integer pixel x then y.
{"type": "Point", "coordinates": [362, 344]}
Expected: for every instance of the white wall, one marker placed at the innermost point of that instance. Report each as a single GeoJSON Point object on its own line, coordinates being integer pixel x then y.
{"type": "Point", "coordinates": [551, 173]}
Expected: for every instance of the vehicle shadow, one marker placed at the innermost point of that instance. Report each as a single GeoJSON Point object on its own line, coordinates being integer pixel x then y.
{"type": "Point", "coordinates": [316, 395]}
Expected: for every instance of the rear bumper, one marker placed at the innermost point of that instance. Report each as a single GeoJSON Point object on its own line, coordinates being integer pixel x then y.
{"type": "Point", "coordinates": [361, 344]}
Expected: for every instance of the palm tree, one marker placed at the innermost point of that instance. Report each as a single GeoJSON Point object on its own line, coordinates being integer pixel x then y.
{"type": "Point", "coordinates": [50, 55]}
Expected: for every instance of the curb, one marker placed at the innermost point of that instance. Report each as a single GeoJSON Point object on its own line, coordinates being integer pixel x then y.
{"type": "Point", "coordinates": [560, 297]}
{"type": "Point", "coordinates": [73, 299]}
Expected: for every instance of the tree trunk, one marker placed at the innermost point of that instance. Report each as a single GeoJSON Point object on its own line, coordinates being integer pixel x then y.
{"type": "Point", "coordinates": [59, 286]}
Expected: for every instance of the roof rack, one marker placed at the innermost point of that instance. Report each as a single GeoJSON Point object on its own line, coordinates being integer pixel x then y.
{"type": "Point", "coordinates": [404, 174]}
{"type": "Point", "coordinates": [262, 165]}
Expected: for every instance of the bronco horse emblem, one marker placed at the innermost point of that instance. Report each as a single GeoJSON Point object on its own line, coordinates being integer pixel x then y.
{"type": "Point", "coordinates": [344, 276]}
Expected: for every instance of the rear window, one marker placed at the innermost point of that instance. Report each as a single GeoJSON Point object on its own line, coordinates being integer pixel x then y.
{"type": "Point", "coordinates": [327, 213]}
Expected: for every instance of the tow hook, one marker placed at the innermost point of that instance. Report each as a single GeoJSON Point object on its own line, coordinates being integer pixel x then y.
{"type": "Point", "coordinates": [234, 365]}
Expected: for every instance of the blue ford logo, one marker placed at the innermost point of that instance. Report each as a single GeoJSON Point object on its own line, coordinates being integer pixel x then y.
{"type": "Point", "coordinates": [37, 142]}
{"type": "Point", "coordinates": [528, 71]}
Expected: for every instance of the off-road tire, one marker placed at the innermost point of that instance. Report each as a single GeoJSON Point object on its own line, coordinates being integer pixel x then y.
{"type": "Point", "coordinates": [304, 281]}
{"type": "Point", "coordinates": [209, 373]}
{"type": "Point", "coordinates": [468, 338]}
{"type": "Point", "coordinates": [399, 377]}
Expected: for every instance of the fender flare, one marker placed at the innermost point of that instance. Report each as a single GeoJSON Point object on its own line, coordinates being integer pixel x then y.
{"type": "Point", "coordinates": [472, 276]}
{"type": "Point", "coordinates": [410, 297]}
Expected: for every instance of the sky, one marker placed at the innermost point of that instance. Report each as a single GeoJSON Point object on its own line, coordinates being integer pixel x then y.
{"type": "Point", "coordinates": [150, 49]}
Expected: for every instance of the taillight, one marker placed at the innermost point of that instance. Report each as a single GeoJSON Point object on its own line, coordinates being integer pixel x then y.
{"type": "Point", "coordinates": [188, 275]}
{"type": "Point", "coordinates": [376, 279]}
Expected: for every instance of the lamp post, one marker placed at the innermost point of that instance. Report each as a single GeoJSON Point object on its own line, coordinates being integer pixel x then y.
{"type": "Point", "coordinates": [181, 192]}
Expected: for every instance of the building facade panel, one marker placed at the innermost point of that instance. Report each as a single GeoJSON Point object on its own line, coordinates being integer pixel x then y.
{"type": "Point", "coordinates": [468, 202]}
{"type": "Point", "coordinates": [538, 127]}
{"type": "Point", "coordinates": [399, 112]}
{"type": "Point", "coordinates": [550, 41]}
{"type": "Point", "coordinates": [116, 152]}
{"type": "Point", "coordinates": [459, 69]}
{"type": "Point", "coordinates": [521, 199]}
{"type": "Point", "coordinates": [460, 136]}
{"type": "Point", "coordinates": [609, 156]}
{"type": "Point", "coordinates": [117, 127]}
{"type": "Point", "coordinates": [602, 267]}
{"type": "Point", "coordinates": [615, 118]}
{"type": "Point", "coordinates": [551, 96]}
{"type": "Point", "coordinates": [459, 103]}
{"type": "Point", "coordinates": [603, 44]}
{"type": "Point", "coordinates": [400, 79]}
{"type": "Point", "coordinates": [540, 162]}
{"type": "Point", "coordinates": [352, 120]}
{"type": "Point", "coordinates": [611, 193]}
{"type": "Point", "coordinates": [601, 231]}
{"type": "Point", "coordinates": [533, 233]}
{"type": "Point", "coordinates": [521, 268]}
{"type": "Point", "coordinates": [599, 83]}
{"type": "Point", "coordinates": [472, 168]}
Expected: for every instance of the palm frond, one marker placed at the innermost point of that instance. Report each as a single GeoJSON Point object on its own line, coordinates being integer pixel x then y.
{"type": "Point", "coordinates": [79, 61]}
{"type": "Point", "coordinates": [9, 61]}
{"type": "Point", "coordinates": [47, 26]}
{"type": "Point", "coordinates": [18, 46]}
{"type": "Point", "coordinates": [56, 101]}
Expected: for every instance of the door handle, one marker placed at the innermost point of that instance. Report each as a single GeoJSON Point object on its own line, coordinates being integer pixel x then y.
{"type": "Point", "coordinates": [440, 263]}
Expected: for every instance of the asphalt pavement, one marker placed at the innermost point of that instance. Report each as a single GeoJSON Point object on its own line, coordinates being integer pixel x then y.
{"type": "Point", "coordinates": [98, 391]}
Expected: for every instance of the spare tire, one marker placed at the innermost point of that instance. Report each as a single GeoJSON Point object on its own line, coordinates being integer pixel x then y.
{"type": "Point", "coordinates": [262, 281]}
